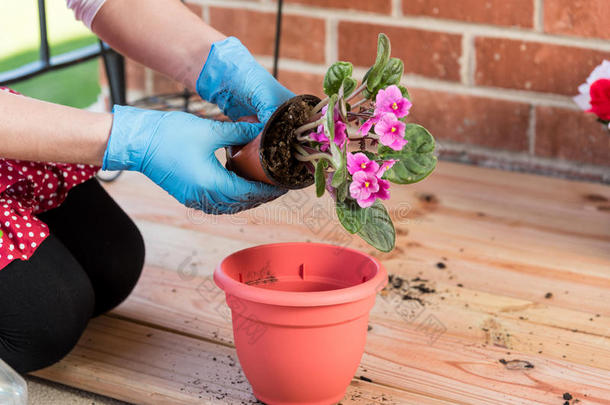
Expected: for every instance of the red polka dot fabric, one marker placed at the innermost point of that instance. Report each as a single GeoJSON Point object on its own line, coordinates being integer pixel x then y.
{"type": "Point", "coordinates": [30, 188]}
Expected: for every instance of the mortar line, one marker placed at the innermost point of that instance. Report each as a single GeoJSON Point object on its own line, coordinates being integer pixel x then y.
{"type": "Point", "coordinates": [538, 16]}
{"type": "Point", "coordinates": [531, 131]}
{"type": "Point", "coordinates": [331, 51]}
{"type": "Point", "coordinates": [424, 23]}
{"type": "Point", "coordinates": [396, 8]}
{"type": "Point", "coordinates": [467, 60]}
{"type": "Point", "coordinates": [206, 14]}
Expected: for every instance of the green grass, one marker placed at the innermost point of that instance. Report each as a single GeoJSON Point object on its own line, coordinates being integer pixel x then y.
{"type": "Point", "coordinates": [76, 86]}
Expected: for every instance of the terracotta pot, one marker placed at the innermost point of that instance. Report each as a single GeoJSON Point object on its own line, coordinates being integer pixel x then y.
{"type": "Point", "coordinates": [300, 316]}
{"type": "Point", "coordinates": [247, 160]}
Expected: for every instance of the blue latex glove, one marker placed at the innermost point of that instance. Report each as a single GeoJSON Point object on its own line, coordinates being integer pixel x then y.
{"type": "Point", "coordinates": [233, 79]}
{"type": "Point", "coordinates": [176, 151]}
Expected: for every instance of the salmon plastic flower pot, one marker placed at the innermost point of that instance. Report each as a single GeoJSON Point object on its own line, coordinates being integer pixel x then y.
{"type": "Point", "coordinates": [300, 316]}
{"type": "Point", "coordinates": [269, 157]}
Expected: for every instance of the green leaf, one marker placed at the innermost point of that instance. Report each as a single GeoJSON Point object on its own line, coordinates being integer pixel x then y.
{"type": "Point", "coordinates": [340, 175]}
{"type": "Point", "coordinates": [377, 228]}
{"type": "Point", "coordinates": [416, 160]}
{"type": "Point", "coordinates": [351, 215]}
{"type": "Point", "coordinates": [367, 94]}
{"type": "Point", "coordinates": [329, 123]}
{"type": "Point", "coordinates": [335, 75]}
{"type": "Point", "coordinates": [338, 156]}
{"type": "Point", "coordinates": [342, 192]}
{"type": "Point", "coordinates": [320, 177]}
{"type": "Point", "coordinates": [391, 75]}
{"type": "Point", "coordinates": [392, 72]}
{"type": "Point", "coordinates": [349, 85]}
{"type": "Point", "coordinates": [374, 75]}
{"type": "Point", "coordinates": [405, 92]}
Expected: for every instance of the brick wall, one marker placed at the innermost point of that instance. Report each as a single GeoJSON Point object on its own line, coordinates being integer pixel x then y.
{"type": "Point", "coordinates": [491, 79]}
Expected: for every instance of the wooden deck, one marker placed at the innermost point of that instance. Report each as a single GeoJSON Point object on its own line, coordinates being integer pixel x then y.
{"type": "Point", "coordinates": [507, 278]}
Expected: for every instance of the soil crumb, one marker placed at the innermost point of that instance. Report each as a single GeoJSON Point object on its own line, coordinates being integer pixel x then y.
{"type": "Point", "coordinates": [516, 364]}
{"type": "Point", "coordinates": [410, 290]}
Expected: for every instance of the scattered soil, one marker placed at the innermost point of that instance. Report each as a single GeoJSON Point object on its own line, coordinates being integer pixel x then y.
{"type": "Point", "coordinates": [441, 265]}
{"type": "Point", "coordinates": [567, 396]}
{"type": "Point", "coordinates": [516, 364]}
{"type": "Point", "coordinates": [363, 378]}
{"type": "Point", "coordinates": [276, 148]}
{"type": "Point", "coordinates": [548, 295]}
{"type": "Point", "coordinates": [410, 290]}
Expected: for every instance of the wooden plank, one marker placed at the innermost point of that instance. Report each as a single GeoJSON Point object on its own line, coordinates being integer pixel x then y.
{"type": "Point", "coordinates": [545, 326]}
{"type": "Point", "coordinates": [145, 365]}
{"type": "Point", "coordinates": [507, 238]}
{"type": "Point", "coordinates": [490, 244]}
{"type": "Point", "coordinates": [459, 366]}
{"type": "Point", "coordinates": [192, 304]}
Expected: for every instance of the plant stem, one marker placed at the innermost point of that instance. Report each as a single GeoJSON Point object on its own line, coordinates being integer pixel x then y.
{"type": "Point", "coordinates": [308, 126]}
{"type": "Point", "coordinates": [364, 100]}
{"type": "Point", "coordinates": [320, 105]}
{"type": "Point", "coordinates": [313, 156]}
{"type": "Point", "coordinates": [356, 92]}
{"type": "Point", "coordinates": [303, 138]}
{"type": "Point", "coordinates": [356, 136]}
{"type": "Point", "coordinates": [304, 156]}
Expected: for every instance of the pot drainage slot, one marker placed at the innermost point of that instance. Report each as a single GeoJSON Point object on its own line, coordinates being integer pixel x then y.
{"type": "Point", "coordinates": [302, 271]}
{"type": "Point", "coordinates": [241, 280]}
{"type": "Point", "coordinates": [363, 279]}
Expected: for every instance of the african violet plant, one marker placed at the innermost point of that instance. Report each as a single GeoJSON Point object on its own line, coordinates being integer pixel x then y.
{"type": "Point", "coordinates": [372, 116]}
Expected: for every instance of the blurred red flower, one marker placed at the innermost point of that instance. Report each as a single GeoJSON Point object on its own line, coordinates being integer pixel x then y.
{"type": "Point", "coordinates": [600, 98]}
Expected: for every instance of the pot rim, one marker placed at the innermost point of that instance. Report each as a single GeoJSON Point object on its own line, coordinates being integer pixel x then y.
{"type": "Point", "coordinates": [301, 299]}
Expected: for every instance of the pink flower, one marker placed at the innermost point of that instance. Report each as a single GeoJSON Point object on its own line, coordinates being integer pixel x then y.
{"type": "Point", "coordinates": [368, 124]}
{"type": "Point", "coordinates": [340, 132]}
{"type": "Point", "coordinates": [364, 188]}
{"type": "Point", "coordinates": [391, 100]}
{"type": "Point", "coordinates": [385, 166]}
{"type": "Point", "coordinates": [391, 131]}
{"type": "Point", "coordinates": [367, 184]}
{"type": "Point", "coordinates": [384, 190]}
{"type": "Point", "coordinates": [357, 162]}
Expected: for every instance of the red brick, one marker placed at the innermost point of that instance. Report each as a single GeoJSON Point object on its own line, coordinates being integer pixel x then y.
{"type": "Point", "coordinates": [498, 12]}
{"type": "Point", "coordinates": [491, 123]}
{"type": "Point", "coordinates": [303, 38]}
{"type": "Point", "coordinates": [571, 135]}
{"type": "Point", "coordinates": [533, 66]}
{"type": "Point", "coordinates": [587, 18]}
{"type": "Point", "coordinates": [302, 83]}
{"type": "Point", "coordinates": [426, 53]}
{"type": "Point", "coordinates": [195, 8]}
{"type": "Point", "coordinates": [375, 6]}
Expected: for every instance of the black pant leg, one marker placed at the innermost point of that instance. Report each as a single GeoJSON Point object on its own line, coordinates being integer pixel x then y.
{"type": "Point", "coordinates": [102, 238]}
{"type": "Point", "coordinates": [45, 304]}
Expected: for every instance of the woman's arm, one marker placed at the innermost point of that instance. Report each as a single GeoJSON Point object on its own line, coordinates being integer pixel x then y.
{"type": "Point", "coordinates": [36, 130]}
{"type": "Point", "coordinates": [162, 34]}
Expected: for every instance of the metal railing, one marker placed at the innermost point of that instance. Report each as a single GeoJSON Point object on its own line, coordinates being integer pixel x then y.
{"type": "Point", "coordinates": [114, 65]}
